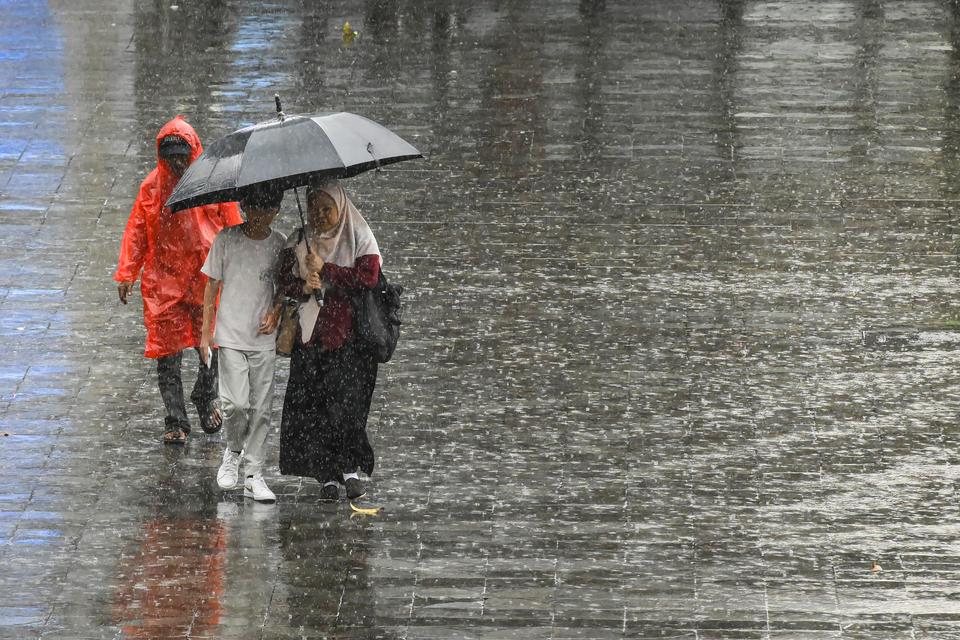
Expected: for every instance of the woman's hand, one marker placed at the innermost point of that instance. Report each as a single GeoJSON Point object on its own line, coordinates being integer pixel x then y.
{"type": "Point", "coordinates": [314, 262]}
{"type": "Point", "coordinates": [313, 283]}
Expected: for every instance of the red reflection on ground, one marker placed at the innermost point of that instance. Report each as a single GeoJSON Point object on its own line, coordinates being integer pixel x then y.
{"type": "Point", "coordinates": [174, 585]}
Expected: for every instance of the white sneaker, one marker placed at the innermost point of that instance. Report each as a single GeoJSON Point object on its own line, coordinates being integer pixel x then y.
{"type": "Point", "coordinates": [256, 488]}
{"type": "Point", "coordinates": [228, 475]}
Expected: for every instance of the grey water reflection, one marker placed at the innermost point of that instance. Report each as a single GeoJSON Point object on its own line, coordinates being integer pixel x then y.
{"type": "Point", "coordinates": [511, 135]}
{"type": "Point", "coordinates": [589, 79]}
{"type": "Point", "coordinates": [324, 583]}
{"type": "Point", "coordinates": [730, 43]}
{"type": "Point", "coordinates": [950, 148]}
{"type": "Point", "coordinates": [316, 33]}
{"type": "Point", "coordinates": [868, 26]}
{"type": "Point", "coordinates": [174, 48]}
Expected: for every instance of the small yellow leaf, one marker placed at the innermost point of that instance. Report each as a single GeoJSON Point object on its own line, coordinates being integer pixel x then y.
{"type": "Point", "coordinates": [365, 511]}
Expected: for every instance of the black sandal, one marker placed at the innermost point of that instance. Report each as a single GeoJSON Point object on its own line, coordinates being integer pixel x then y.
{"type": "Point", "coordinates": [211, 421]}
{"type": "Point", "coordinates": [174, 435]}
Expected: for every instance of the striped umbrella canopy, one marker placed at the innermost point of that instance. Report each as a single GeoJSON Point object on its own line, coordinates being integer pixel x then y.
{"type": "Point", "coordinates": [288, 151]}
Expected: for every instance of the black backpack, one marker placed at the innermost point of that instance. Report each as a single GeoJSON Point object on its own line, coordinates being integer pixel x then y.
{"type": "Point", "coordinates": [377, 316]}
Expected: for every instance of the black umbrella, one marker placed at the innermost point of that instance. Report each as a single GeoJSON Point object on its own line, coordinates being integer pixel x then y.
{"type": "Point", "coordinates": [289, 151]}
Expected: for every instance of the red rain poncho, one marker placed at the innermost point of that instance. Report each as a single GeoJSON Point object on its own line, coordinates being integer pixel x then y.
{"type": "Point", "coordinates": [170, 248]}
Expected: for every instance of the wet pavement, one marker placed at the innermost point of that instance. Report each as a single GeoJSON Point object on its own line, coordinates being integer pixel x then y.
{"type": "Point", "coordinates": [680, 341]}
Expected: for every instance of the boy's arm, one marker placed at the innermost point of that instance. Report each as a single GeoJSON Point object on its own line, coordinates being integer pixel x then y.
{"type": "Point", "coordinates": [270, 321]}
{"type": "Point", "coordinates": [210, 293]}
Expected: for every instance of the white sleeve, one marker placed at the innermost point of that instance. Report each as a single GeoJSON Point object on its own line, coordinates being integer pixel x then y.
{"type": "Point", "coordinates": [213, 266]}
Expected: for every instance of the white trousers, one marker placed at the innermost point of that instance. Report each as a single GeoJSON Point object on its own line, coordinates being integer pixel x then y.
{"type": "Point", "coordinates": [246, 399]}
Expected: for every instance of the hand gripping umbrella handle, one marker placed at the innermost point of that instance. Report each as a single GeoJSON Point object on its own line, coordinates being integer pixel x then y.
{"type": "Point", "coordinates": [317, 293]}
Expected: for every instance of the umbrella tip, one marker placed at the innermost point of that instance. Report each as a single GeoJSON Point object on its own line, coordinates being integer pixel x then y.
{"type": "Point", "coordinates": [376, 161]}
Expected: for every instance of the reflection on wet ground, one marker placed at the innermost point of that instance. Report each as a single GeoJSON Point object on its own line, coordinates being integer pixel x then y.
{"type": "Point", "coordinates": [680, 339]}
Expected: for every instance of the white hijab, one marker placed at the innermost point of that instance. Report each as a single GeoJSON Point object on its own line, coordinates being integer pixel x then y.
{"type": "Point", "coordinates": [342, 245]}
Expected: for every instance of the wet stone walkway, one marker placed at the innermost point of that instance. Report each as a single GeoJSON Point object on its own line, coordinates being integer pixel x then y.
{"type": "Point", "coordinates": [681, 341]}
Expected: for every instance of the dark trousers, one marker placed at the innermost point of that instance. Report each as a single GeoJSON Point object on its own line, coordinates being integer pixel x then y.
{"type": "Point", "coordinates": [171, 388]}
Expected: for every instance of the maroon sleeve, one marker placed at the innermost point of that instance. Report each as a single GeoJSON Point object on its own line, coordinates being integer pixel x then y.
{"type": "Point", "coordinates": [364, 274]}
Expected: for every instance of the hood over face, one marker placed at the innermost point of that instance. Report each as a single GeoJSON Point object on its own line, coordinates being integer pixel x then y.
{"type": "Point", "coordinates": [181, 128]}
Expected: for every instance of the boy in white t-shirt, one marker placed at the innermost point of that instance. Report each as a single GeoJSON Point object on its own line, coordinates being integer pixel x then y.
{"type": "Point", "coordinates": [240, 268]}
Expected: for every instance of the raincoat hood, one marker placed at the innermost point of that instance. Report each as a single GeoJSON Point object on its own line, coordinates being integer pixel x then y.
{"type": "Point", "coordinates": [180, 128]}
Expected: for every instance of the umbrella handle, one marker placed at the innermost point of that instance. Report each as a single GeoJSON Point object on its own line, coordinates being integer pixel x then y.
{"type": "Point", "coordinates": [303, 222]}
{"type": "Point", "coordinates": [317, 294]}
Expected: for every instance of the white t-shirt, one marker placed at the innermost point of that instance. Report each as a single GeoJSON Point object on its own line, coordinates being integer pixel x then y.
{"type": "Point", "coordinates": [247, 268]}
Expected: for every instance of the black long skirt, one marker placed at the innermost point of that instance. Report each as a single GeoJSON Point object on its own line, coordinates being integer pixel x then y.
{"type": "Point", "coordinates": [323, 431]}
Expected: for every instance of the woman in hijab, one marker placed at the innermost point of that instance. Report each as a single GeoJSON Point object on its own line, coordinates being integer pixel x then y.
{"type": "Point", "coordinates": [323, 432]}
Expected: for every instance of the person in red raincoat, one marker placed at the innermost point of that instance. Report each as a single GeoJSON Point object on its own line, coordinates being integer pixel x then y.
{"type": "Point", "coordinates": [170, 248]}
